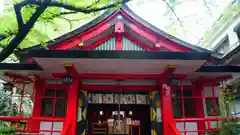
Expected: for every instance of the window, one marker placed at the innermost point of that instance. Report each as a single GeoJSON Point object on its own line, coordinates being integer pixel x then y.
{"type": "Point", "coordinates": [183, 104]}
{"type": "Point", "coordinates": [51, 127]}
{"type": "Point", "coordinates": [212, 106]}
{"type": "Point", "coordinates": [54, 103]}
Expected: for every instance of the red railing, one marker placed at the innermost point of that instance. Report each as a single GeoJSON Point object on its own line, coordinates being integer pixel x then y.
{"type": "Point", "coordinates": [66, 128]}
{"type": "Point", "coordinates": [28, 123]}
{"type": "Point", "coordinates": [207, 124]}
{"type": "Point", "coordinates": [172, 129]}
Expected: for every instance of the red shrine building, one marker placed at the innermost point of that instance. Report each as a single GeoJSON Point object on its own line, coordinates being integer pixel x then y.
{"type": "Point", "coordinates": [165, 86]}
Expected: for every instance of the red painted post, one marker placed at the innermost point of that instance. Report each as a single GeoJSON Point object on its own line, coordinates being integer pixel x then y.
{"type": "Point", "coordinates": [198, 92]}
{"type": "Point", "coordinates": [71, 116]}
{"type": "Point", "coordinates": [167, 113]}
{"type": "Point", "coordinates": [39, 86]}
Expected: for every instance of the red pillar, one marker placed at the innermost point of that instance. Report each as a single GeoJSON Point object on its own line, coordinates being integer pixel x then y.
{"type": "Point", "coordinates": [37, 104]}
{"type": "Point", "coordinates": [167, 113]}
{"type": "Point", "coordinates": [199, 107]}
{"type": "Point", "coordinates": [71, 116]}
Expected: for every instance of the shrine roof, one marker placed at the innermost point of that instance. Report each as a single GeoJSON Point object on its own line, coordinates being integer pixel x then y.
{"type": "Point", "coordinates": [118, 54]}
{"type": "Point", "coordinates": [135, 63]}
{"type": "Point", "coordinates": [135, 17]}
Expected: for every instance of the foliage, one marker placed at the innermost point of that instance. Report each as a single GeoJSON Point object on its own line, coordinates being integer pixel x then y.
{"type": "Point", "coordinates": [210, 133]}
{"type": "Point", "coordinates": [32, 22]}
{"type": "Point", "coordinates": [7, 107]}
{"type": "Point", "coordinates": [230, 128]}
{"type": "Point", "coordinates": [8, 131]}
{"type": "Point", "coordinates": [229, 94]}
{"type": "Point", "coordinates": [10, 106]}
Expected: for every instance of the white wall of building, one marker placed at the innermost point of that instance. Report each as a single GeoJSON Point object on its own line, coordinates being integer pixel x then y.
{"type": "Point", "coordinates": [221, 34]}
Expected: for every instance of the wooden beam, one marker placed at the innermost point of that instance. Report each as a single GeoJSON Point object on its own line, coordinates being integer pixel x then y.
{"type": "Point", "coordinates": [82, 38]}
{"type": "Point", "coordinates": [121, 76]}
{"type": "Point", "coordinates": [69, 67]}
{"type": "Point", "coordinates": [100, 27]}
{"type": "Point", "coordinates": [136, 41]}
{"type": "Point", "coordinates": [116, 87]}
{"type": "Point", "coordinates": [18, 77]}
{"type": "Point", "coordinates": [169, 70]}
{"type": "Point", "coordinates": [97, 43]}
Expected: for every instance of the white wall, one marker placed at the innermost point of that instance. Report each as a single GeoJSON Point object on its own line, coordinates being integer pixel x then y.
{"type": "Point", "coordinates": [46, 125]}
{"type": "Point", "coordinates": [222, 33]}
{"type": "Point", "coordinates": [191, 126]}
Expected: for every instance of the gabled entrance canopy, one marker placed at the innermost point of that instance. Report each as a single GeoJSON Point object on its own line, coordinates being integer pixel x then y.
{"type": "Point", "coordinates": [134, 64]}
{"type": "Point", "coordinates": [118, 42]}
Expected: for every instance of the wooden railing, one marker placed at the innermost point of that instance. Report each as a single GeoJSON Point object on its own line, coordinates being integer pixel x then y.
{"type": "Point", "coordinates": [24, 124]}
{"type": "Point", "coordinates": [28, 134]}
{"type": "Point", "coordinates": [66, 128]}
{"type": "Point", "coordinates": [207, 122]}
{"type": "Point", "coordinates": [172, 129]}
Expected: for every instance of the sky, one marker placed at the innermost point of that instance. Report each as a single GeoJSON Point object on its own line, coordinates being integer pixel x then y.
{"type": "Point", "coordinates": [196, 17]}
{"type": "Point", "coordinates": [1, 6]}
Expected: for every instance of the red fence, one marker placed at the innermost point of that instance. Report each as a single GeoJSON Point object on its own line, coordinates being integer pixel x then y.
{"type": "Point", "coordinates": [207, 122]}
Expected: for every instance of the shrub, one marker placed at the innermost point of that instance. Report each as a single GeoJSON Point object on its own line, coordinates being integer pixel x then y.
{"type": "Point", "coordinates": [8, 131]}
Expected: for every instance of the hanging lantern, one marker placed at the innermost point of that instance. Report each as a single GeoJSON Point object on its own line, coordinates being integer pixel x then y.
{"type": "Point", "coordinates": [67, 79]}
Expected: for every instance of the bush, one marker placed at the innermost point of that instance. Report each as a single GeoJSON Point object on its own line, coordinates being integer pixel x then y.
{"type": "Point", "coordinates": [230, 128]}
{"type": "Point", "coordinates": [8, 131]}
{"type": "Point", "coordinates": [235, 130]}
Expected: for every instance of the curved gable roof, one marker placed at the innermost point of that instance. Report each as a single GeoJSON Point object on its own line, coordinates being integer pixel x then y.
{"type": "Point", "coordinates": [138, 19]}
{"type": "Point", "coordinates": [126, 9]}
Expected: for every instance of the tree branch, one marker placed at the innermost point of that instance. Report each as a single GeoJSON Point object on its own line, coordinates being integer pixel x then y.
{"type": "Point", "coordinates": [22, 33]}
{"type": "Point", "coordinates": [172, 10]}
{"type": "Point", "coordinates": [69, 21]}
{"type": "Point", "coordinates": [206, 5]}
{"type": "Point", "coordinates": [67, 13]}
{"type": "Point", "coordinates": [2, 37]}
{"type": "Point", "coordinates": [70, 7]}
{"type": "Point", "coordinates": [96, 2]}
{"type": "Point", "coordinates": [17, 9]}
{"type": "Point", "coordinates": [24, 30]}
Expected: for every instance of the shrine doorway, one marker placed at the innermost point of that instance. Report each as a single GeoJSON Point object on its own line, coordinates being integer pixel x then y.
{"type": "Point", "coordinates": [99, 113]}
